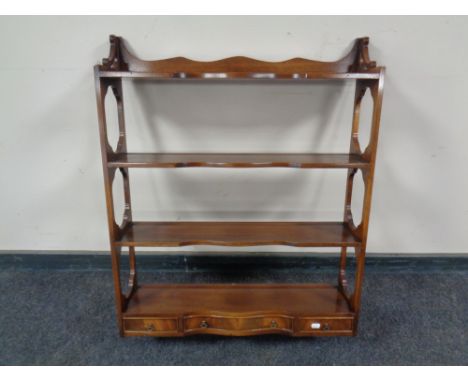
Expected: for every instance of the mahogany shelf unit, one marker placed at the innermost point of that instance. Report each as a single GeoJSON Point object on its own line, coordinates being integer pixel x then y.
{"type": "Point", "coordinates": [239, 309]}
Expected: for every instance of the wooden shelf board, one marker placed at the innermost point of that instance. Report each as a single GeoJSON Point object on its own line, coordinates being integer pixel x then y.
{"type": "Point", "coordinates": [237, 299]}
{"type": "Point", "coordinates": [146, 160]}
{"type": "Point", "coordinates": [175, 234]}
{"type": "Point", "coordinates": [200, 76]}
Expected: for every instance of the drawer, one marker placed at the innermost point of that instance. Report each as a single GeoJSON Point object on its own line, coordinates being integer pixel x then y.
{"type": "Point", "coordinates": [150, 325]}
{"type": "Point", "coordinates": [323, 325]}
{"type": "Point", "coordinates": [239, 325]}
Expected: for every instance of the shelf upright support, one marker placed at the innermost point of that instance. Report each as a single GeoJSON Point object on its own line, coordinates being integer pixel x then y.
{"type": "Point", "coordinates": [375, 87]}
{"type": "Point", "coordinates": [102, 87]}
{"type": "Point", "coordinates": [127, 216]}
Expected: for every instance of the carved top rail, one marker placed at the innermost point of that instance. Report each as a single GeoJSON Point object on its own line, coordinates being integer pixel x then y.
{"type": "Point", "coordinates": [122, 63]}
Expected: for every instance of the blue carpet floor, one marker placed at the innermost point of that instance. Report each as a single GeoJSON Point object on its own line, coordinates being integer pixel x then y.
{"type": "Point", "coordinates": [66, 317]}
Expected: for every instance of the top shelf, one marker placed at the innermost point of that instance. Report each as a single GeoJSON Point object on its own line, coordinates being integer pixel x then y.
{"type": "Point", "coordinates": [123, 64]}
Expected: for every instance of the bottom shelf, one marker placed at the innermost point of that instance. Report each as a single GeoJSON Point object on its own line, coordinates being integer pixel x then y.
{"type": "Point", "coordinates": [238, 310]}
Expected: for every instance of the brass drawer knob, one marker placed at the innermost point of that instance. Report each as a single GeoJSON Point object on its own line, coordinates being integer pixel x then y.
{"type": "Point", "coordinates": [326, 327]}
{"type": "Point", "coordinates": [204, 324]}
{"type": "Point", "coordinates": [274, 324]}
{"type": "Point", "coordinates": [150, 327]}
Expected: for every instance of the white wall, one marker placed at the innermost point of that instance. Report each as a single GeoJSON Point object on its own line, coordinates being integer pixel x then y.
{"type": "Point", "coordinates": [52, 194]}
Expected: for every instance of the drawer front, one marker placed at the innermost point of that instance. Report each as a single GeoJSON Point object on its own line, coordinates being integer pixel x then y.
{"type": "Point", "coordinates": [237, 325]}
{"type": "Point", "coordinates": [151, 325]}
{"type": "Point", "coordinates": [322, 326]}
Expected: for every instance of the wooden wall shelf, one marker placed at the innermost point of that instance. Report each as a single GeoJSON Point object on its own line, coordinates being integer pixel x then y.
{"type": "Point", "coordinates": [239, 309]}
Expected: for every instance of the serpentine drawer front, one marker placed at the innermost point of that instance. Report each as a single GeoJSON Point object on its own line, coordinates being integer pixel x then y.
{"type": "Point", "coordinates": [237, 325]}
{"type": "Point", "coordinates": [244, 325]}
